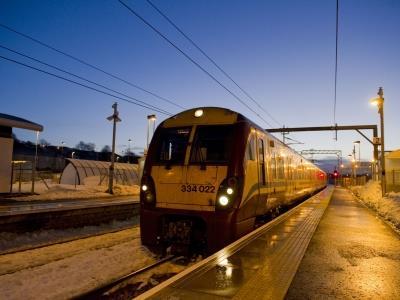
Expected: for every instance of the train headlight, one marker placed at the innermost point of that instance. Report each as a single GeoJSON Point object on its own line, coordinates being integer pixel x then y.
{"type": "Point", "coordinates": [147, 191]}
{"type": "Point", "coordinates": [223, 200]}
{"type": "Point", "coordinates": [228, 192]}
{"type": "Point", "coordinates": [198, 113]}
{"type": "Point", "coordinates": [149, 197]}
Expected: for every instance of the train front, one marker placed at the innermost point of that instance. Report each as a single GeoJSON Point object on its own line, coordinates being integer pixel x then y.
{"type": "Point", "coordinates": [192, 181]}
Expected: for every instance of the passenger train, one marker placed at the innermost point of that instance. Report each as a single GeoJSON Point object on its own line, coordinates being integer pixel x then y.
{"type": "Point", "coordinates": [210, 174]}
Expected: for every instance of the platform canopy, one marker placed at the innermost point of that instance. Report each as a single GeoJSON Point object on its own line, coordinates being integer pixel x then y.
{"type": "Point", "coordinates": [16, 122]}
{"type": "Point", "coordinates": [94, 172]}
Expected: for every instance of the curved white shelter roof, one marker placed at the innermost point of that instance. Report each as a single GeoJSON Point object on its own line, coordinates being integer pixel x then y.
{"type": "Point", "coordinates": [78, 171]}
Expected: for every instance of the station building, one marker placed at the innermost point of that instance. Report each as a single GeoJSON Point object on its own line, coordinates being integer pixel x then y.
{"type": "Point", "coordinates": [7, 123]}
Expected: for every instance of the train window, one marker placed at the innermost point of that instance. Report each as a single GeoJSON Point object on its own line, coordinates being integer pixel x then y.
{"type": "Point", "coordinates": [172, 145]}
{"type": "Point", "coordinates": [251, 149]}
{"type": "Point", "coordinates": [212, 144]}
{"type": "Point", "coordinates": [281, 167]}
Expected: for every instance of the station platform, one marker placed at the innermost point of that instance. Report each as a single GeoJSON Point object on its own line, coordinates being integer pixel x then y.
{"type": "Point", "coordinates": [9, 207]}
{"type": "Point", "coordinates": [326, 248]}
{"type": "Point", "coordinates": [352, 255]}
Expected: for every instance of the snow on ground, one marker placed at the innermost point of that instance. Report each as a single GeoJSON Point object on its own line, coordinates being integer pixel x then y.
{"type": "Point", "coordinates": [10, 241]}
{"type": "Point", "coordinates": [67, 270]}
{"type": "Point", "coordinates": [66, 191]}
{"type": "Point", "coordinates": [388, 207]}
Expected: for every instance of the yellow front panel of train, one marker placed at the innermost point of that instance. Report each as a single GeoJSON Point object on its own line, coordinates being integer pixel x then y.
{"type": "Point", "coordinates": [188, 187]}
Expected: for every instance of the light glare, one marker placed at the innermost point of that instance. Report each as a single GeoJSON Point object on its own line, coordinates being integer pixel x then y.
{"type": "Point", "coordinates": [144, 187]}
{"type": "Point", "coordinates": [198, 113]}
{"type": "Point", "coordinates": [223, 200]}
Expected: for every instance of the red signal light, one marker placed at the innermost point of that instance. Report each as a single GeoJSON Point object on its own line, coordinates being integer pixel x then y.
{"type": "Point", "coordinates": [335, 174]}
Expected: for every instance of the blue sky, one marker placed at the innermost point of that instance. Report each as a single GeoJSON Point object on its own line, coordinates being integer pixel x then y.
{"type": "Point", "coordinates": [281, 52]}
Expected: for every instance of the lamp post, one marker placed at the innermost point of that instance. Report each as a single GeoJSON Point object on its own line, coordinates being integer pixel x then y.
{"type": "Point", "coordinates": [150, 119]}
{"type": "Point", "coordinates": [114, 118]}
{"type": "Point", "coordinates": [379, 103]}
{"type": "Point", "coordinates": [352, 166]}
{"type": "Point", "coordinates": [35, 163]}
{"type": "Point", "coordinates": [129, 150]}
{"type": "Point", "coordinates": [359, 151]}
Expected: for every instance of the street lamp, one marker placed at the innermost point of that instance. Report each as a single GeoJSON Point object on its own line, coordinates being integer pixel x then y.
{"type": "Point", "coordinates": [150, 119]}
{"type": "Point", "coordinates": [359, 151]}
{"type": "Point", "coordinates": [129, 150]}
{"type": "Point", "coordinates": [72, 154]}
{"type": "Point", "coordinates": [352, 165]}
{"type": "Point", "coordinates": [379, 103]}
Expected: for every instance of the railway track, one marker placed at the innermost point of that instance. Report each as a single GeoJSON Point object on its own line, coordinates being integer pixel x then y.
{"type": "Point", "coordinates": [67, 218]}
{"type": "Point", "coordinates": [116, 289]}
{"type": "Point", "coordinates": [64, 240]}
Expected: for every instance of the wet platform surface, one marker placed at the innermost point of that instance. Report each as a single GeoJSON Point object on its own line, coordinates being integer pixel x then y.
{"type": "Point", "coordinates": [9, 207]}
{"type": "Point", "coordinates": [353, 255]}
{"type": "Point", "coordinates": [258, 266]}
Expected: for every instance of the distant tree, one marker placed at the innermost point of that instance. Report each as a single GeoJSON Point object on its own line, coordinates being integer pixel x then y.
{"type": "Point", "coordinates": [85, 146]}
{"type": "Point", "coordinates": [44, 143]}
{"type": "Point", "coordinates": [14, 136]}
{"type": "Point", "coordinates": [106, 148]}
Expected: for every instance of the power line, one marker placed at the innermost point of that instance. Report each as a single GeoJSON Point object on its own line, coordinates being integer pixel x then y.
{"type": "Point", "coordinates": [336, 59]}
{"type": "Point", "coordinates": [192, 60]}
{"type": "Point", "coordinates": [210, 59]}
{"type": "Point", "coordinates": [89, 65]}
{"type": "Point", "coordinates": [81, 84]}
{"type": "Point", "coordinates": [82, 78]}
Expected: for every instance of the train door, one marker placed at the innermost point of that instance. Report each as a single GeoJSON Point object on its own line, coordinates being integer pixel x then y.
{"type": "Point", "coordinates": [262, 179]}
{"type": "Point", "coordinates": [250, 188]}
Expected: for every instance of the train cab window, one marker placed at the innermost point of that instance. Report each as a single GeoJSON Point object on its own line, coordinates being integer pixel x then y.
{"type": "Point", "coordinates": [212, 144]}
{"type": "Point", "coordinates": [251, 149]}
{"type": "Point", "coordinates": [172, 145]}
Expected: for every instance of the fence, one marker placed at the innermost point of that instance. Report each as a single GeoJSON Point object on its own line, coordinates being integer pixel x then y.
{"type": "Point", "coordinates": [22, 177]}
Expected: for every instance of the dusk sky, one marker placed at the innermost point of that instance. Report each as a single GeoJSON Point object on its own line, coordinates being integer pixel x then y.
{"type": "Point", "coordinates": [280, 52]}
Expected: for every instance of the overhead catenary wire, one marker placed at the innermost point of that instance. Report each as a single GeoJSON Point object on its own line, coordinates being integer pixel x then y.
{"type": "Point", "coordinates": [211, 60]}
{"type": "Point", "coordinates": [336, 60]}
{"type": "Point", "coordinates": [82, 78]}
{"type": "Point", "coordinates": [89, 65]}
{"type": "Point", "coordinates": [193, 61]}
{"type": "Point", "coordinates": [81, 84]}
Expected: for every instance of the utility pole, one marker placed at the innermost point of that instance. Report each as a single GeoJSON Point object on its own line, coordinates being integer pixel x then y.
{"type": "Point", "coordinates": [380, 109]}
{"type": "Point", "coordinates": [114, 117]}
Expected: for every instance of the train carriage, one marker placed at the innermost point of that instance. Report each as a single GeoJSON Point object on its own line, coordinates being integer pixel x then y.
{"type": "Point", "coordinates": [210, 173]}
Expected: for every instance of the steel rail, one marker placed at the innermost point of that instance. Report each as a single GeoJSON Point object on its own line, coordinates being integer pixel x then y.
{"type": "Point", "coordinates": [98, 291]}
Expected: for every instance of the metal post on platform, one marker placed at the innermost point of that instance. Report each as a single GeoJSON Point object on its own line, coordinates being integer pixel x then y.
{"type": "Point", "coordinates": [379, 103]}
{"type": "Point", "coordinates": [35, 163]}
{"type": "Point", "coordinates": [114, 117]}
{"type": "Point", "coordinates": [151, 122]}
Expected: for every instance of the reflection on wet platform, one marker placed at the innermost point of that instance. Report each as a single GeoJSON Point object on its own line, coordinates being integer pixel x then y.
{"type": "Point", "coordinates": [262, 264]}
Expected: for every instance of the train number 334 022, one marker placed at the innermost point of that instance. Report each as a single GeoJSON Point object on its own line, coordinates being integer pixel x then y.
{"type": "Point", "coordinates": [188, 188]}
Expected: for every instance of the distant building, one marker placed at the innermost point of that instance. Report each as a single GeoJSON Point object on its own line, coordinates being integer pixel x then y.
{"type": "Point", "coordinates": [392, 160]}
